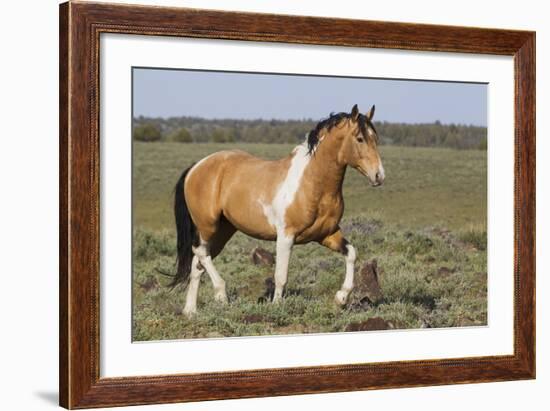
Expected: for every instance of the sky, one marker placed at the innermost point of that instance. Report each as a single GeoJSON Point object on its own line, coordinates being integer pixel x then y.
{"type": "Point", "coordinates": [215, 95]}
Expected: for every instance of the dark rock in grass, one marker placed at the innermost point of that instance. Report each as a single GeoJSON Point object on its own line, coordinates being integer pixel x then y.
{"type": "Point", "coordinates": [445, 271]}
{"type": "Point", "coordinates": [149, 284]}
{"type": "Point", "coordinates": [372, 324]}
{"type": "Point", "coordinates": [367, 289]}
{"type": "Point", "coordinates": [253, 318]}
{"type": "Point", "coordinates": [269, 291]}
{"type": "Point", "coordinates": [427, 301]}
{"type": "Point", "coordinates": [425, 324]}
{"type": "Point", "coordinates": [261, 256]}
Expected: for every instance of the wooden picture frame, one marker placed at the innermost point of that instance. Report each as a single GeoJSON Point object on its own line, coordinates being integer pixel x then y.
{"type": "Point", "coordinates": [80, 27]}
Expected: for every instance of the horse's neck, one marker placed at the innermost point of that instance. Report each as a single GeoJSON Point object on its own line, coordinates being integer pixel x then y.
{"type": "Point", "coordinates": [323, 172]}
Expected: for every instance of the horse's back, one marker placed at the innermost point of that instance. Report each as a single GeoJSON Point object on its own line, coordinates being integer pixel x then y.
{"type": "Point", "coordinates": [228, 163]}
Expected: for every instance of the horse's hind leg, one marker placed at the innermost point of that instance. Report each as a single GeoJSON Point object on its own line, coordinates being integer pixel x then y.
{"type": "Point", "coordinates": [337, 242]}
{"type": "Point", "coordinates": [193, 287]}
{"type": "Point", "coordinates": [208, 249]}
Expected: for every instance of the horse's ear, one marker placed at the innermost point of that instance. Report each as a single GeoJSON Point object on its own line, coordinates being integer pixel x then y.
{"type": "Point", "coordinates": [370, 113]}
{"type": "Point", "coordinates": [355, 113]}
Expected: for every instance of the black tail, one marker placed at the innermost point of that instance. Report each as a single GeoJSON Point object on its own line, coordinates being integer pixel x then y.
{"type": "Point", "coordinates": [186, 233]}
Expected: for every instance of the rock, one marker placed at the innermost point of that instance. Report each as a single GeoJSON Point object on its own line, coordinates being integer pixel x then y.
{"type": "Point", "coordinates": [367, 290]}
{"type": "Point", "coordinates": [372, 324]}
{"type": "Point", "coordinates": [269, 291]}
{"type": "Point", "coordinates": [425, 324]}
{"type": "Point", "coordinates": [253, 318]}
{"type": "Point", "coordinates": [261, 256]}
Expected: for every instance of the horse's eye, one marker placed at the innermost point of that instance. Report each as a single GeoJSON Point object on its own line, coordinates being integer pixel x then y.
{"type": "Point", "coordinates": [360, 139]}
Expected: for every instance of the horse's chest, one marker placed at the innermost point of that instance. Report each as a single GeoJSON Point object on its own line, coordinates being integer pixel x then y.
{"type": "Point", "coordinates": [322, 220]}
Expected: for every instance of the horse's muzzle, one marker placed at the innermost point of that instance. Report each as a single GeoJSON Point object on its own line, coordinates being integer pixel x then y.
{"type": "Point", "coordinates": [378, 179]}
{"type": "Point", "coordinates": [375, 180]}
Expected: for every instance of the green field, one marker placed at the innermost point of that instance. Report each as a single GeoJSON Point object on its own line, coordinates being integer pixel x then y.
{"type": "Point", "coordinates": [426, 226]}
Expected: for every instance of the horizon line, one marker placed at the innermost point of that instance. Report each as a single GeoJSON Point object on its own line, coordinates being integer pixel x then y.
{"type": "Point", "coordinates": [134, 117]}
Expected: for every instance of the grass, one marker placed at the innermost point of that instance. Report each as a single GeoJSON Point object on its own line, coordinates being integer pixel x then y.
{"type": "Point", "coordinates": [426, 228]}
{"type": "Point", "coordinates": [423, 186]}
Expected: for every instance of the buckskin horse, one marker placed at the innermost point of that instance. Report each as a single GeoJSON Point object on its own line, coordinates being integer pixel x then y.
{"type": "Point", "coordinates": [294, 200]}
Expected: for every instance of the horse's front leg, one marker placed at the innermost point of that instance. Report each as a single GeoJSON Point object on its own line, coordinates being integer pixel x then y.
{"type": "Point", "coordinates": [337, 242]}
{"type": "Point", "coordinates": [284, 248]}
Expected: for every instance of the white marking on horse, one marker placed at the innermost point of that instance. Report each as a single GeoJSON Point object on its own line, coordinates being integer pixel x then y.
{"type": "Point", "coordinates": [381, 172]}
{"type": "Point", "coordinates": [193, 288]}
{"type": "Point", "coordinates": [276, 213]}
{"type": "Point", "coordinates": [347, 286]}
{"type": "Point", "coordinates": [284, 248]}
{"type": "Point", "coordinates": [286, 192]}
{"type": "Point", "coordinates": [202, 252]}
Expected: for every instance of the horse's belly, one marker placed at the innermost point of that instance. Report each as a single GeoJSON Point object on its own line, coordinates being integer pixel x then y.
{"type": "Point", "coordinates": [251, 220]}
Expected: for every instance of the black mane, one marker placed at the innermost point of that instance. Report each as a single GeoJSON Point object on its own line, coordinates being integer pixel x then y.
{"type": "Point", "coordinates": [333, 120]}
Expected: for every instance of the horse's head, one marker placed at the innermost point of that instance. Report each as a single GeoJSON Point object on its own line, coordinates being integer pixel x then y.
{"type": "Point", "coordinates": [360, 146]}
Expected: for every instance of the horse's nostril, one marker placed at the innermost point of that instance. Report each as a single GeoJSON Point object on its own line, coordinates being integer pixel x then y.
{"type": "Point", "coordinates": [379, 178]}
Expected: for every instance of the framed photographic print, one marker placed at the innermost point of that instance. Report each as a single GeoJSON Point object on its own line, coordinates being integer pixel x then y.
{"type": "Point", "coordinates": [258, 205]}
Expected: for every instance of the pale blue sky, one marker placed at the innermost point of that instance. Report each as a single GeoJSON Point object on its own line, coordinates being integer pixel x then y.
{"type": "Point", "coordinates": [172, 93]}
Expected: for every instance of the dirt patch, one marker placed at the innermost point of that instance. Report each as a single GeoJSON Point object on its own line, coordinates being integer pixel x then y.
{"type": "Point", "coordinates": [445, 271]}
{"type": "Point", "coordinates": [372, 324]}
{"type": "Point", "coordinates": [254, 318]}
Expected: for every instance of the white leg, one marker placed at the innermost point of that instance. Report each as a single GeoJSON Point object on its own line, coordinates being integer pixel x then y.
{"type": "Point", "coordinates": [203, 253]}
{"type": "Point", "coordinates": [193, 288]}
{"type": "Point", "coordinates": [342, 295]}
{"type": "Point", "coordinates": [284, 247]}
{"type": "Point", "coordinates": [218, 282]}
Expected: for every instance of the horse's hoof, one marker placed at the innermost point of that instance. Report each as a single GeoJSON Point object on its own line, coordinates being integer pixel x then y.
{"type": "Point", "coordinates": [341, 297]}
{"type": "Point", "coordinates": [189, 312]}
{"type": "Point", "coordinates": [221, 298]}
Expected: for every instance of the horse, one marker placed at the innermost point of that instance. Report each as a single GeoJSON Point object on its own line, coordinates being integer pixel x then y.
{"type": "Point", "coordinates": [293, 200]}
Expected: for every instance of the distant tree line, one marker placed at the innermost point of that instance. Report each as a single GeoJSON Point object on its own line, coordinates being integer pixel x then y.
{"type": "Point", "coordinates": [200, 130]}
